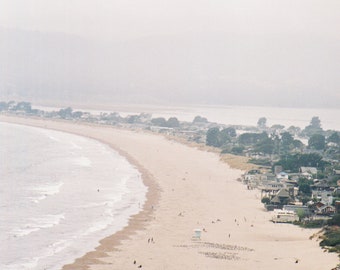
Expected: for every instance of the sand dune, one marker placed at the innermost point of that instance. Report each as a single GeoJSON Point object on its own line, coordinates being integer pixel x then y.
{"type": "Point", "coordinates": [192, 189]}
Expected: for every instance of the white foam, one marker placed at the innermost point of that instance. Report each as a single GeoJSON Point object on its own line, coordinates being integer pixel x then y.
{"type": "Point", "coordinates": [76, 146]}
{"type": "Point", "coordinates": [60, 245]}
{"type": "Point", "coordinates": [82, 161]}
{"type": "Point", "coordinates": [36, 224]}
{"type": "Point", "coordinates": [54, 138]}
{"type": "Point", "coordinates": [45, 190]}
{"type": "Point", "coordinates": [23, 264]}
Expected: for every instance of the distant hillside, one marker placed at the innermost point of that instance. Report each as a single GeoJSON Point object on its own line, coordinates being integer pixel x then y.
{"type": "Point", "coordinates": [208, 69]}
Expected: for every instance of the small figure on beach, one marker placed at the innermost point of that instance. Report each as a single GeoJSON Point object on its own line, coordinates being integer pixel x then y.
{"type": "Point", "coordinates": [229, 235]}
{"type": "Point", "coordinates": [134, 262]}
{"type": "Point", "coordinates": [140, 266]}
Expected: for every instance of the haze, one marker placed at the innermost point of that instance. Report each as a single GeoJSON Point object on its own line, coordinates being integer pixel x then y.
{"type": "Point", "coordinates": [251, 52]}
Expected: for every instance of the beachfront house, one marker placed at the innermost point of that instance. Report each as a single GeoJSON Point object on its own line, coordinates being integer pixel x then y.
{"type": "Point", "coordinates": [283, 197]}
{"type": "Point", "coordinates": [284, 216]}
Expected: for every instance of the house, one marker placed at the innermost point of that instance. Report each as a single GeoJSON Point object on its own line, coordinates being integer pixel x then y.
{"type": "Point", "coordinates": [308, 171]}
{"type": "Point", "coordinates": [282, 197]}
{"type": "Point", "coordinates": [284, 216]}
{"type": "Point", "coordinates": [311, 170]}
{"type": "Point", "coordinates": [282, 175]}
{"type": "Point", "coordinates": [325, 210]}
{"type": "Point", "coordinates": [297, 208]}
{"type": "Point", "coordinates": [269, 189]}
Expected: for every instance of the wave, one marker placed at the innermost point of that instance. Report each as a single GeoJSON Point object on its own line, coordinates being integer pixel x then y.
{"type": "Point", "coordinates": [36, 224]}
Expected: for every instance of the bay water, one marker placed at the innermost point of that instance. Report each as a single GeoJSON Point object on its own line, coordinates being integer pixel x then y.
{"type": "Point", "coordinates": [59, 195]}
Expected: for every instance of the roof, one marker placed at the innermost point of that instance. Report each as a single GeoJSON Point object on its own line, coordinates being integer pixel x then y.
{"type": "Point", "coordinates": [283, 193]}
{"type": "Point", "coordinates": [311, 170]}
{"type": "Point", "coordinates": [275, 200]}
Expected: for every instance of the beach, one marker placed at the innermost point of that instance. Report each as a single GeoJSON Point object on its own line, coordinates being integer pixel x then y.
{"type": "Point", "coordinates": [191, 189]}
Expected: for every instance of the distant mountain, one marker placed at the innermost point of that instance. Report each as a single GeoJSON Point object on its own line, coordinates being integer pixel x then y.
{"type": "Point", "coordinates": [203, 68]}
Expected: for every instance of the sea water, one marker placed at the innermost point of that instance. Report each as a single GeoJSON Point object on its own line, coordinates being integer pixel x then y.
{"type": "Point", "coordinates": [248, 116]}
{"type": "Point", "coordinates": [59, 195]}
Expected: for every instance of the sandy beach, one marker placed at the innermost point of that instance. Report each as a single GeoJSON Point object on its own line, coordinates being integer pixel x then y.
{"type": "Point", "coordinates": [190, 189]}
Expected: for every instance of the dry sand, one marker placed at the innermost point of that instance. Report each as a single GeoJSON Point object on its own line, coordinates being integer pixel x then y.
{"type": "Point", "coordinates": [192, 189]}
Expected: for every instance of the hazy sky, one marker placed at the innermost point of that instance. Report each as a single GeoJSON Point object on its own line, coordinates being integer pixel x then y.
{"type": "Point", "coordinates": [231, 49]}
{"type": "Point", "coordinates": [112, 19]}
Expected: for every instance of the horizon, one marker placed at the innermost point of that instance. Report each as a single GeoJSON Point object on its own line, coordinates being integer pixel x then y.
{"type": "Point", "coordinates": [172, 53]}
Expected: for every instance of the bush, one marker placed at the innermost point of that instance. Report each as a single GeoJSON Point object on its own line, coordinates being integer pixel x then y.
{"type": "Point", "coordinates": [334, 221]}
{"type": "Point", "coordinates": [265, 200]}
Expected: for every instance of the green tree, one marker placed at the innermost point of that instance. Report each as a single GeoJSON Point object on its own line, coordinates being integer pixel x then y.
{"type": "Point", "coordinates": [77, 114]}
{"type": "Point", "coordinates": [230, 131]}
{"type": "Point", "coordinates": [172, 122]}
{"type": "Point", "coordinates": [298, 144]}
{"type": "Point", "coordinates": [335, 220]}
{"type": "Point", "coordinates": [265, 200]}
{"type": "Point", "coordinates": [287, 141]}
{"type": "Point", "coordinates": [305, 186]}
{"type": "Point", "coordinates": [217, 138]}
{"type": "Point", "coordinates": [224, 136]}
{"type": "Point", "coordinates": [261, 123]}
{"type": "Point", "coordinates": [252, 138]}
{"type": "Point", "coordinates": [293, 162]}
{"type": "Point", "coordinates": [160, 121]}
{"type": "Point", "coordinates": [23, 106]}
{"type": "Point", "coordinates": [301, 214]}
{"type": "Point", "coordinates": [213, 137]}
{"type": "Point", "coordinates": [314, 127]}
{"type": "Point", "coordinates": [294, 130]}
{"type": "Point", "coordinates": [317, 142]}
{"type": "Point", "coordinates": [277, 127]}
{"type": "Point", "coordinates": [315, 122]}
{"type": "Point", "coordinates": [65, 113]}
{"type": "Point", "coordinates": [199, 119]}
{"type": "Point", "coordinates": [237, 149]}
{"type": "Point", "coordinates": [334, 138]}
{"type": "Point", "coordinates": [265, 146]}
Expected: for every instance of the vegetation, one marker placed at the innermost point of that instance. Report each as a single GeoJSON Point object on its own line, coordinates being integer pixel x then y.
{"type": "Point", "coordinates": [292, 162]}
{"type": "Point", "coordinates": [317, 142]}
{"type": "Point", "coordinates": [218, 138]}
{"type": "Point", "coordinates": [314, 127]}
{"type": "Point", "coordinates": [331, 239]}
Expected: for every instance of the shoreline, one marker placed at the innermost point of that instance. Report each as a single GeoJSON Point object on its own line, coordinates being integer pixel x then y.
{"type": "Point", "coordinates": [135, 222]}
{"type": "Point", "coordinates": [163, 204]}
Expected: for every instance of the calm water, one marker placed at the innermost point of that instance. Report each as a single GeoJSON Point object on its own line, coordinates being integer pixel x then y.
{"type": "Point", "coordinates": [238, 115]}
{"type": "Point", "coordinates": [59, 195]}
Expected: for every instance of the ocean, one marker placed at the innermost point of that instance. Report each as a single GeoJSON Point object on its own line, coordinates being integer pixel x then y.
{"type": "Point", "coordinates": [59, 195]}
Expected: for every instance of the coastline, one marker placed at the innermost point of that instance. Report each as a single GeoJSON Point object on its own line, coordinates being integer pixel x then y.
{"type": "Point", "coordinates": [200, 194]}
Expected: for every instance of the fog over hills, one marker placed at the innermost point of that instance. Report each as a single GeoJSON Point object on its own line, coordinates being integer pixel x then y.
{"type": "Point", "coordinates": [205, 68]}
